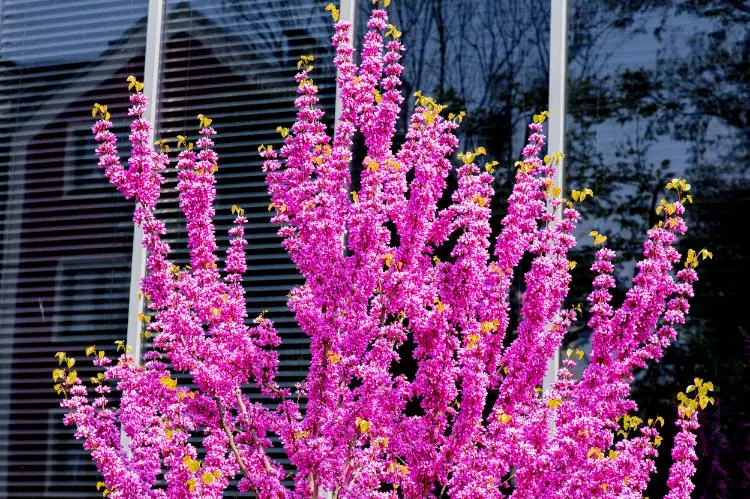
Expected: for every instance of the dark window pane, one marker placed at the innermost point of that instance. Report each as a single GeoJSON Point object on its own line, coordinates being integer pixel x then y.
{"type": "Point", "coordinates": [65, 233]}
{"type": "Point", "coordinates": [487, 57]}
{"type": "Point", "coordinates": [658, 90]}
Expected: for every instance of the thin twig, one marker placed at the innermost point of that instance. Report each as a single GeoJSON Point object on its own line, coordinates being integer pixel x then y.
{"type": "Point", "coordinates": [243, 408]}
{"type": "Point", "coordinates": [230, 436]}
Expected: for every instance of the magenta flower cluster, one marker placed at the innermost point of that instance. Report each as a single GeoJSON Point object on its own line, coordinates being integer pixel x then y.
{"type": "Point", "coordinates": [478, 423]}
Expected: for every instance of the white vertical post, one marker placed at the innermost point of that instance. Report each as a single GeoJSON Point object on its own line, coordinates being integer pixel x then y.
{"type": "Point", "coordinates": [347, 12]}
{"type": "Point", "coordinates": [151, 89]}
{"type": "Point", "coordinates": [558, 40]}
{"type": "Point", "coordinates": [138, 262]}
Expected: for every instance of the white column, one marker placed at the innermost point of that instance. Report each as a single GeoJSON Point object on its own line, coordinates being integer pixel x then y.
{"type": "Point", "coordinates": [558, 40]}
{"type": "Point", "coordinates": [151, 89]}
{"type": "Point", "coordinates": [138, 261]}
{"type": "Point", "coordinates": [347, 12]}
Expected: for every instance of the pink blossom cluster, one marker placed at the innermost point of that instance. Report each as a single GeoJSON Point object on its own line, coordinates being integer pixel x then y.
{"type": "Point", "coordinates": [482, 427]}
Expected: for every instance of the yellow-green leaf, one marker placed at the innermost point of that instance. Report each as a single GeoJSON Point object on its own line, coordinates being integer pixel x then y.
{"type": "Point", "coordinates": [554, 403]}
{"type": "Point", "coordinates": [334, 11]}
{"type": "Point", "coordinates": [283, 131]}
{"type": "Point", "coordinates": [393, 32]}
{"type": "Point", "coordinates": [362, 425]}
{"type": "Point", "coordinates": [467, 158]}
{"type": "Point", "coordinates": [168, 382]}
{"type": "Point", "coordinates": [192, 465]}
{"type": "Point", "coordinates": [502, 417]}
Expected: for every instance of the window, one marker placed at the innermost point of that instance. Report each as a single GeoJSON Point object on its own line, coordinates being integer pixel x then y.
{"type": "Point", "coordinates": [65, 234]}
{"type": "Point", "coordinates": [656, 91]}
{"type": "Point", "coordinates": [489, 58]}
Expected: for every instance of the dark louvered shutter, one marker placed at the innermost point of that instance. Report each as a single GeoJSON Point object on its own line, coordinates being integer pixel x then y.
{"type": "Point", "coordinates": [65, 233]}
{"type": "Point", "coordinates": [235, 62]}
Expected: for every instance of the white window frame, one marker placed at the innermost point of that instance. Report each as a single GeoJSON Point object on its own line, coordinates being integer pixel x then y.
{"type": "Point", "coordinates": [151, 68]}
{"type": "Point", "coordinates": [558, 64]}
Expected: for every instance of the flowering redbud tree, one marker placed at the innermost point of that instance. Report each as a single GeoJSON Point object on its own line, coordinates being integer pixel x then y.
{"type": "Point", "coordinates": [373, 282]}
